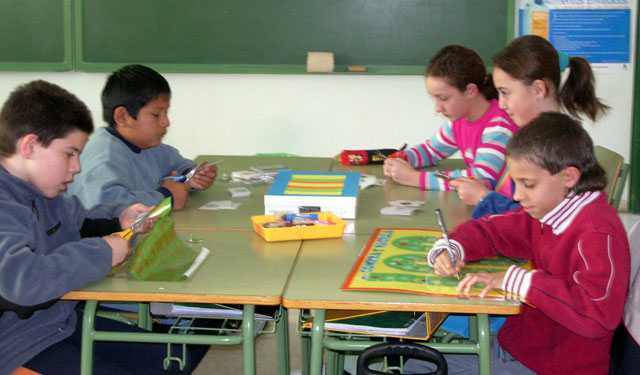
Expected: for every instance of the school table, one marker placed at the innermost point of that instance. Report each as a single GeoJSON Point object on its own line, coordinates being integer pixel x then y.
{"type": "Point", "coordinates": [327, 263]}
{"type": "Point", "coordinates": [322, 267]}
{"type": "Point", "coordinates": [241, 269]}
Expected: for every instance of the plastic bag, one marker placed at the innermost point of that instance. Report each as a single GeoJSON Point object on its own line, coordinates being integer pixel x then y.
{"type": "Point", "coordinates": [162, 256]}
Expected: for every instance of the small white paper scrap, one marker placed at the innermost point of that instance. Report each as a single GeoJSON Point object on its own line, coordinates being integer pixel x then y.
{"type": "Point", "coordinates": [402, 211]}
{"type": "Point", "coordinates": [367, 180]}
{"type": "Point", "coordinates": [219, 205]}
{"type": "Point", "coordinates": [204, 253]}
{"type": "Point", "coordinates": [239, 192]}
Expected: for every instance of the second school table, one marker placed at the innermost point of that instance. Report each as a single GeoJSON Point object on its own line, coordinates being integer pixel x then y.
{"type": "Point", "coordinates": [322, 267]}
{"type": "Point", "coordinates": [241, 269]}
{"type": "Point", "coordinates": [328, 262]}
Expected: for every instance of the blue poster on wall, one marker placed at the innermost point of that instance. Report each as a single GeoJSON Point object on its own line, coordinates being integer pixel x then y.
{"type": "Point", "coordinates": [597, 30]}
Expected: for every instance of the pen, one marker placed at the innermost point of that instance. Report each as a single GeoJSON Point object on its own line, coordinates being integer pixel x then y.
{"type": "Point", "coordinates": [446, 239]}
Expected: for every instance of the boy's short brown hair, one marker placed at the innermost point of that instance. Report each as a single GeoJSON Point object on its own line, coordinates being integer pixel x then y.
{"type": "Point", "coordinates": [555, 141]}
{"type": "Point", "coordinates": [44, 109]}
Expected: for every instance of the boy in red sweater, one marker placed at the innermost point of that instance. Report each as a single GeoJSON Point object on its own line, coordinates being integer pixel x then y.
{"type": "Point", "coordinates": [575, 239]}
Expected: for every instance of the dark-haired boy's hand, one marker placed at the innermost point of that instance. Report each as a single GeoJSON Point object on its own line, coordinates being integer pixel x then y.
{"type": "Point", "coordinates": [205, 177]}
{"type": "Point", "coordinates": [179, 191]}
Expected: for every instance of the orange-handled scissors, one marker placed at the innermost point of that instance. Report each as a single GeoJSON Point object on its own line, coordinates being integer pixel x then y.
{"type": "Point", "coordinates": [160, 209]}
{"type": "Point", "coordinates": [129, 232]}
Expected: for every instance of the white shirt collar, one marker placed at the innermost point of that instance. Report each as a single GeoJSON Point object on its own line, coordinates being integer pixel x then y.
{"type": "Point", "coordinates": [561, 217]}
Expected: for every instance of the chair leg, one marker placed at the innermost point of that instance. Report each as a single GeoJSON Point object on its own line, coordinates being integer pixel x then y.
{"type": "Point", "coordinates": [282, 337]}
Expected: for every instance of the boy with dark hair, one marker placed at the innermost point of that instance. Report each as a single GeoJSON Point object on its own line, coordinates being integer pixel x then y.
{"type": "Point", "coordinates": [127, 162]}
{"type": "Point", "coordinates": [49, 244]}
{"type": "Point", "coordinates": [573, 236]}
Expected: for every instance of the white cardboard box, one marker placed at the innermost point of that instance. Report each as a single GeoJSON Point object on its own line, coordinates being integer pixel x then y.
{"type": "Point", "coordinates": [335, 192]}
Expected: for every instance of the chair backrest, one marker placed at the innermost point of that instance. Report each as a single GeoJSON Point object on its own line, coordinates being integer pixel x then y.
{"type": "Point", "coordinates": [612, 163]}
{"type": "Point", "coordinates": [620, 184]}
{"type": "Point", "coordinates": [633, 301]}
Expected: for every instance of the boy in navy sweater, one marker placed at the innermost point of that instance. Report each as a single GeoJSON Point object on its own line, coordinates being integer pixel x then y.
{"type": "Point", "coordinates": [50, 244]}
{"type": "Point", "coordinates": [127, 162]}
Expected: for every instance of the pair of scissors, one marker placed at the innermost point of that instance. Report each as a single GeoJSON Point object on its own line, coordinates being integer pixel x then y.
{"type": "Point", "coordinates": [160, 209]}
{"type": "Point", "coordinates": [192, 172]}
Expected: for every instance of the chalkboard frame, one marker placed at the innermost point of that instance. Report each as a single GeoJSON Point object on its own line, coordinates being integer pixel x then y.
{"type": "Point", "coordinates": [66, 64]}
{"type": "Point", "coordinates": [81, 65]}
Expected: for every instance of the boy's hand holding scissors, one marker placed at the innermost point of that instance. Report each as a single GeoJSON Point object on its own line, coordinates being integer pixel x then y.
{"type": "Point", "coordinates": [130, 215]}
{"type": "Point", "coordinates": [179, 191]}
{"type": "Point", "coordinates": [204, 176]}
{"type": "Point", "coordinates": [129, 218]}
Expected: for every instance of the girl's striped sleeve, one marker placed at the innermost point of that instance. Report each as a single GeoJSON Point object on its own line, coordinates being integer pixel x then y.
{"type": "Point", "coordinates": [439, 147]}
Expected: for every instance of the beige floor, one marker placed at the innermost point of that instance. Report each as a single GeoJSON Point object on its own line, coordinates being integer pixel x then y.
{"type": "Point", "coordinates": [228, 359]}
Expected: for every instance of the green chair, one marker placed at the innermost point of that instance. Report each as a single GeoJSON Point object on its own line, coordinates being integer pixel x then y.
{"type": "Point", "coordinates": [613, 164]}
{"type": "Point", "coordinates": [617, 195]}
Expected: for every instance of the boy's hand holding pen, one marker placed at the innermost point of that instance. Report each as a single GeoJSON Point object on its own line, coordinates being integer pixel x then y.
{"type": "Point", "coordinates": [446, 264]}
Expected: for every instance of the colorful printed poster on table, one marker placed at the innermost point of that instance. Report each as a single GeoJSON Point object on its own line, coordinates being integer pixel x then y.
{"type": "Point", "coordinates": [396, 260]}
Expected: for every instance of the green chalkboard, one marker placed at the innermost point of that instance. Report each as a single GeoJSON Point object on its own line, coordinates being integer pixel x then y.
{"type": "Point", "coordinates": [274, 36]}
{"type": "Point", "coordinates": [35, 35]}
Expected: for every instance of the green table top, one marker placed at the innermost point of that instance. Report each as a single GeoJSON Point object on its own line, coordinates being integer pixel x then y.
{"type": "Point", "coordinates": [370, 200]}
{"type": "Point", "coordinates": [241, 268]}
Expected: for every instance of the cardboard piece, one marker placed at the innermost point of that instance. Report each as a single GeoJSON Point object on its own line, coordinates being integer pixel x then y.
{"type": "Point", "coordinates": [320, 62]}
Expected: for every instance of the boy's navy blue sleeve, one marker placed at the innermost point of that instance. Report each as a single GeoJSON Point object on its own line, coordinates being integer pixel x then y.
{"type": "Point", "coordinates": [493, 203]}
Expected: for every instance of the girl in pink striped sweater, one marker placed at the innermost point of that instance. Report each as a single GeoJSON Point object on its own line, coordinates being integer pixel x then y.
{"type": "Point", "coordinates": [463, 92]}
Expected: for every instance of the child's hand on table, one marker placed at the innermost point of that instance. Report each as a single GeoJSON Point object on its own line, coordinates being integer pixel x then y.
{"type": "Point", "coordinates": [470, 190]}
{"type": "Point", "coordinates": [205, 177]}
{"type": "Point", "coordinates": [491, 280]}
{"type": "Point", "coordinates": [179, 191]}
{"type": "Point", "coordinates": [443, 266]}
{"type": "Point", "coordinates": [401, 171]}
{"type": "Point", "coordinates": [120, 249]}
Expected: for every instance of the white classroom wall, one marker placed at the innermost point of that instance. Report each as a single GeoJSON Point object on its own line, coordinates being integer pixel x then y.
{"type": "Point", "coordinates": [314, 114]}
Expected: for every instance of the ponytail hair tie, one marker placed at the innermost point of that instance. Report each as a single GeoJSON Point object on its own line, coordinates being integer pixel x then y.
{"type": "Point", "coordinates": [564, 58]}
